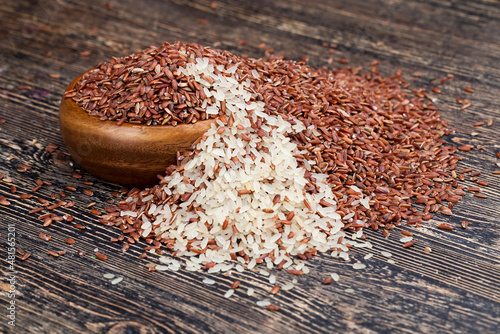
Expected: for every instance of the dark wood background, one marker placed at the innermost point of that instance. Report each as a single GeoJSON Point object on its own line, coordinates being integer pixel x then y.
{"type": "Point", "coordinates": [455, 289]}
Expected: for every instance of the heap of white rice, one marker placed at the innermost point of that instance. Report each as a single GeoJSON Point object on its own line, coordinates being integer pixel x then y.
{"type": "Point", "coordinates": [243, 190]}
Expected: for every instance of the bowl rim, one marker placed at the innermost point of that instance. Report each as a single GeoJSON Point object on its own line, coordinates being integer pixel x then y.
{"type": "Point", "coordinates": [71, 107]}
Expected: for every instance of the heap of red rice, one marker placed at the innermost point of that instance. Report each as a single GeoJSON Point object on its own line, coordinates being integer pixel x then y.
{"type": "Point", "coordinates": [297, 156]}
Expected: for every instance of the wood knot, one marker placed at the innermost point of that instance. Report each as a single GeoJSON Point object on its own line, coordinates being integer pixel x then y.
{"type": "Point", "coordinates": [130, 327]}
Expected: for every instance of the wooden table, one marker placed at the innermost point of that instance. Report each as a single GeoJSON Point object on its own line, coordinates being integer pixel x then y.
{"type": "Point", "coordinates": [454, 289]}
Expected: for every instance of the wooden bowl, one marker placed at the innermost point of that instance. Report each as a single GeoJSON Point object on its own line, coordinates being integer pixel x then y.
{"type": "Point", "coordinates": [128, 154]}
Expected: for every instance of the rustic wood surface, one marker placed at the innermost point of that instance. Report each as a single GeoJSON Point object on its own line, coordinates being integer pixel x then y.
{"type": "Point", "coordinates": [454, 289]}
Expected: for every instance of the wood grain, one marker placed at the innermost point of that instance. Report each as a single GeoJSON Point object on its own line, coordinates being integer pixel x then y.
{"type": "Point", "coordinates": [454, 289]}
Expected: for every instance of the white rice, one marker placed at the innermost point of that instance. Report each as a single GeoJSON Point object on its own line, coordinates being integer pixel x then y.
{"type": "Point", "coordinates": [209, 281]}
{"type": "Point", "coordinates": [264, 272]}
{"type": "Point", "coordinates": [263, 303]}
{"type": "Point", "coordinates": [161, 268]}
{"type": "Point", "coordinates": [359, 266]}
{"type": "Point", "coordinates": [386, 254]}
{"type": "Point", "coordinates": [406, 239]}
{"type": "Point", "coordinates": [229, 293]}
{"type": "Point", "coordinates": [117, 280]}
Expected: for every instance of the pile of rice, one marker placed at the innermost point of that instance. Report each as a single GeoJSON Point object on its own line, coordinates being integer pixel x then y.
{"type": "Point", "coordinates": [241, 193]}
{"type": "Point", "coordinates": [295, 157]}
